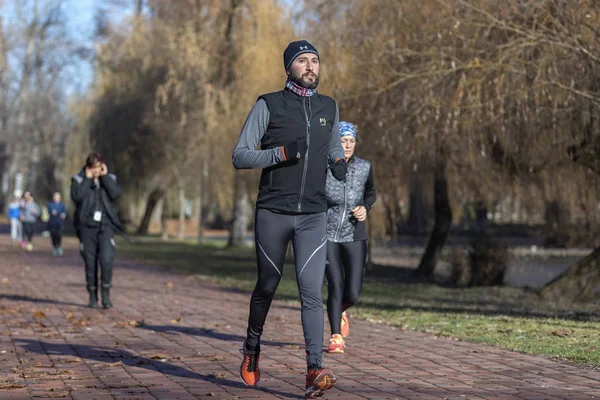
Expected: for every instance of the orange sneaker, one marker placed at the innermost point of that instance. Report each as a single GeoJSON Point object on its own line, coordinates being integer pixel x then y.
{"type": "Point", "coordinates": [336, 344]}
{"type": "Point", "coordinates": [345, 325]}
{"type": "Point", "coordinates": [249, 372]}
{"type": "Point", "coordinates": [318, 380]}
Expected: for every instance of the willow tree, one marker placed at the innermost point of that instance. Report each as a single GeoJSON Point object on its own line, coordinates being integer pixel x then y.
{"type": "Point", "coordinates": [478, 92]}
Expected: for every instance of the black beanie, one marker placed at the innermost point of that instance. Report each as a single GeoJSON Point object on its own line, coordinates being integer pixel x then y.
{"type": "Point", "coordinates": [294, 49]}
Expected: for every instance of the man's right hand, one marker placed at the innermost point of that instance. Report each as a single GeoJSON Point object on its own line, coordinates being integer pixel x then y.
{"type": "Point", "coordinates": [296, 149]}
{"type": "Point", "coordinates": [89, 173]}
{"type": "Point", "coordinates": [339, 170]}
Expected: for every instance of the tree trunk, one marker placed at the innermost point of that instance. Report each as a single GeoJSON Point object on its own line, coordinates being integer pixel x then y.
{"type": "Point", "coordinates": [579, 282]}
{"type": "Point", "coordinates": [239, 224]}
{"type": "Point", "coordinates": [443, 222]}
{"type": "Point", "coordinates": [153, 200]}
{"type": "Point", "coordinates": [163, 220]}
{"type": "Point", "coordinates": [139, 7]}
{"type": "Point", "coordinates": [203, 199]}
{"type": "Point", "coordinates": [416, 216]}
{"type": "Point", "coordinates": [181, 232]}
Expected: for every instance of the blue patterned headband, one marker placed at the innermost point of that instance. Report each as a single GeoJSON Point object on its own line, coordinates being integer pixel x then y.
{"type": "Point", "coordinates": [347, 129]}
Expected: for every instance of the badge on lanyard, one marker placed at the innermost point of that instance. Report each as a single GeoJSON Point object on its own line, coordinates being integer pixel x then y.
{"type": "Point", "coordinates": [97, 216]}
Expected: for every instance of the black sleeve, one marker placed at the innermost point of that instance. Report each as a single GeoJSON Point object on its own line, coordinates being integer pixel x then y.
{"type": "Point", "coordinates": [370, 194]}
{"type": "Point", "coordinates": [109, 183]}
{"type": "Point", "coordinates": [80, 188]}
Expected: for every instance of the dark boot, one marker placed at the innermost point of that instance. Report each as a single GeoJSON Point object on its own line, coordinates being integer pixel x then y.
{"type": "Point", "coordinates": [93, 297]}
{"type": "Point", "coordinates": [106, 297]}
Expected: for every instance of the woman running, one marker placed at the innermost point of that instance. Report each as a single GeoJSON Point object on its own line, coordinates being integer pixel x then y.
{"type": "Point", "coordinates": [348, 203]}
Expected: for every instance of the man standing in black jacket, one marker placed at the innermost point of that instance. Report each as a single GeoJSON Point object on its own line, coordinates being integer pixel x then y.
{"type": "Point", "coordinates": [94, 190]}
{"type": "Point", "coordinates": [298, 131]}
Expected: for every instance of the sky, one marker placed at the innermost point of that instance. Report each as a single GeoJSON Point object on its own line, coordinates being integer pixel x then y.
{"type": "Point", "coordinates": [80, 18]}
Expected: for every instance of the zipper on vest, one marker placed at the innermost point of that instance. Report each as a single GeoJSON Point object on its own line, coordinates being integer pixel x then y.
{"type": "Point", "coordinates": [337, 233]}
{"type": "Point", "coordinates": [307, 148]}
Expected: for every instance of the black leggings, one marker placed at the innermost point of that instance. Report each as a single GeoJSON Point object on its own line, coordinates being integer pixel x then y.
{"type": "Point", "coordinates": [344, 271]}
{"type": "Point", "coordinates": [308, 234]}
{"type": "Point", "coordinates": [28, 230]}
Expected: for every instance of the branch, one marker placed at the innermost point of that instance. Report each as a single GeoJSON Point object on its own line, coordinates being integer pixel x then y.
{"type": "Point", "coordinates": [409, 77]}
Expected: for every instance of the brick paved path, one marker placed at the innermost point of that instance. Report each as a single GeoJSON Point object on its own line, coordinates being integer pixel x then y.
{"type": "Point", "coordinates": [175, 337]}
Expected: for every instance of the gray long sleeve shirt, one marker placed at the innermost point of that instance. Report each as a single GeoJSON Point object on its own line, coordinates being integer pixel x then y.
{"type": "Point", "coordinates": [245, 154]}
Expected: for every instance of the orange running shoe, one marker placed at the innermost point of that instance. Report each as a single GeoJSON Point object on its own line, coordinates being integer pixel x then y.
{"type": "Point", "coordinates": [318, 380]}
{"type": "Point", "coordinates": [249, 372]}
{"type": "Point", "coordinates": [345, 325]}
{"type": "Point", "coordinates": [336, 344]}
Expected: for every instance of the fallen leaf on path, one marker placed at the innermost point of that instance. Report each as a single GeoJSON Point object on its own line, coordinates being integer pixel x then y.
{"type": "Point", "coordinates": [69, 360]}
{"type": "Point", "coordinates": [4, 280]}
{"type": "Point", "coordinates": [39, 314]}
{"type": "Point", "coordinates": [170, 285]}
{"type": "Point", "coordinates": [218, 375]}
{"type": "Point", "coordinates": [10, 385]}
{"type": "Point", "coordinates": [210, 394]}
{"type": "Point", "coordinates": [64, 372]}
{"type": "Point", "coordinates": [56, 395]}
{"type": "Point", "coordinates": [113, 364]}
{"type": "Point", "coordinates": [213, 357]}
{"type": "Point", "coordinates": [159, 357]}
{"type": "Point", "coordinates": [176, 320]}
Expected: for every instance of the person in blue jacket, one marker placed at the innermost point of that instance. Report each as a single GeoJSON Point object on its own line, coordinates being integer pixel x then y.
{"type": "Point", "coordinates": [14, 214]}
{"type": "Point", "coordinates": [58, 213]}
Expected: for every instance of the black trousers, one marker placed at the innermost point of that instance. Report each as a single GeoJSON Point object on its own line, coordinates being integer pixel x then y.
{"type": "Point", "coordinates": [345, 272]}
{"type": "Point", "coordinates": [56, 235]}
{"type": "Point", "coordinates": [28, 228]}
{"type": "Point", "coordinates": [97, 247]}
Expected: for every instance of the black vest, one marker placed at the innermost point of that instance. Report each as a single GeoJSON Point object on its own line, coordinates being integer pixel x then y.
{"type": "Point", "coordinates": [297, 186]}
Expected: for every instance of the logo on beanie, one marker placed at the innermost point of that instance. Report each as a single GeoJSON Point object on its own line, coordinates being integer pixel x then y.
{"type": "Point", "coordinates": [303, 47]}
{"type": "Point", "coordinates": [323, 121]}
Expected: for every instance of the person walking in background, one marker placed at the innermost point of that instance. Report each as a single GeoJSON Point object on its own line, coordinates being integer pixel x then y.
{"type": "Point", "coordinates": [93, 191]}
{"type": "Point", "coordinates": [58, 213]}
{"type": "Point", "coordinates": [29, 215]}
{"type": "Point", "coordinates": [14, 215]}
{"type": "Point", "coordinates": [298, 132]}
{"type": "Point", "coordinates": [348, 204]}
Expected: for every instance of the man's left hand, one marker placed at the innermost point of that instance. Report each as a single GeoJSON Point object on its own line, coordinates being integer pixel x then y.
{"type": "Point", "coordinates": [103, 169]}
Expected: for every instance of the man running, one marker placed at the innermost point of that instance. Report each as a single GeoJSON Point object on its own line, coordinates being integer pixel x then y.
{"type": "Point", "coordinates": [299, 136]}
